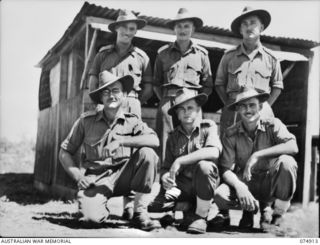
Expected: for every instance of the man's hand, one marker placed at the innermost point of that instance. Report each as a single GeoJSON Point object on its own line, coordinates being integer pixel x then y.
{"type": "Point", "coordinates": [247, 170]}
{"type": "Point", "coordinates": [167, 181]}
{"type": "Point", "coordinates": [85, 181]}
{"type": "Point", "coordinates": [110, 149]}
{"type": "Point", "coordinates": [246, 199]}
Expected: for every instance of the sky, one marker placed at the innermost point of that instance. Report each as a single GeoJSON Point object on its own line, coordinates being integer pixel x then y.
{"type": "Point", "coordinates": [30, 28]}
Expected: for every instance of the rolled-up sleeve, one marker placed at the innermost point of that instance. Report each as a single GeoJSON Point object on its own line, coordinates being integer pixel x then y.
{"type": "Point", "coordinates": [169, 157]}
{"type": "Point", "coordinates": [206, 76]}
{"type": "Point", "coordinates": [75, 138]}
{"type": "Point", "coordinates": [222, 73]}
{"type": "Point", "coordinates": [228, 154]}
{"type": "Point", "coordinates": [158, 72]}
{"type": "Point", "coordinates": [94, 69]}
{"type": "Point", "coordinates": [141, 128]}
{"type": "Point", "coordinates": [281, 133]}
{"type": "Point", "coordinates": [276, 80]}
{"type": "Point", "coordinates": [146, 70]}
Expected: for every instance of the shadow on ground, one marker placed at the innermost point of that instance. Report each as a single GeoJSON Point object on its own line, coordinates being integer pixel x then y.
{"type": "Point", "coordinates": [18, 187]}
{"type": "Point", "coordinates": [72, 221]}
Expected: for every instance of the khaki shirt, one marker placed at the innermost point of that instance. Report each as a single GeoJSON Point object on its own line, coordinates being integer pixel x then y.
{"type": "Point", "coordinates": [135, 63]}
{"type": "Point", "coordinates": [180, 144]}
{"type": "Point", "coordinates": [238, 146]}
{"type": "Point", "coordinates": [92, 129]}
{"type": "Point", "coordinates": [237, 70]}
{"type": "Point", "coordinates": [191, 69]}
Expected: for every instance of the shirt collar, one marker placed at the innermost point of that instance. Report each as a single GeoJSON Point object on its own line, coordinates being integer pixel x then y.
{"type": "Point", "coordinates": [130, 49]}
{"type": "Point", "coordinates": [181, 129]}
{"type": "Point", "coordinates": [176, 47]}
{"type": "Point", "coordinates": [101, 116]}
{"type": "Point", "coordinates": [260, 127]}
{"type": "Point", "coordinates": [241, 49]}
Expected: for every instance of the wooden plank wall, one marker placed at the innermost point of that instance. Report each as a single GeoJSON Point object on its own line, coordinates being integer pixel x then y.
{"type": "Point", "coordinates": [45, 147]}
{"type": "Point", "coordinates": [291, 109]}
{"type": "Point", "coordinates": [69, 111]}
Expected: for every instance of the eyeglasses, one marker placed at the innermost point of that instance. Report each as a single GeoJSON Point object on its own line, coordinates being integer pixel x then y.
{"type": "Point", "coordinates": [249, 106]}
{"type": "Point", "coordinates": [108, 92]}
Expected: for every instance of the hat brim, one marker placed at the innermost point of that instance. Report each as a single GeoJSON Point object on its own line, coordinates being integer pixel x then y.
{"type": "Point", "coordinates": [200, 98]}
{"type": "Point", "coordinates": [197, 22]}
{"type": "Point", "coordinates": [140, 24]}
{"type": "Point", "coordinates": [262, 98]}
{"type": "Point", "coordinates": [261, 13]}
{"type": "Point", "coordinates": [127, 84]}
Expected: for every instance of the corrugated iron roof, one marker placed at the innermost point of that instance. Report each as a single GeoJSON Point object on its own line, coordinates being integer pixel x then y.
{"type": "Point", "coordinates": [109, 13]}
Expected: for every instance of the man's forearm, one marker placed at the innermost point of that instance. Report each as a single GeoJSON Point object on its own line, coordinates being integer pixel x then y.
{"type": "Point", "coordinates": [207, 153]}
{"type": "Point", "coordinates": [222, 94]}
{"type": "Point", "coordinates": [231, 179]}
{"type": "Point", "coordinates": [146, 93]}
{"type": "Point", "coordinates": [158, 92]}
{"type": "Point", "coordinates": [69, 165]}
{"type": "Point", "coordinates": [289, 148]}
{"type": "Point", "coordinates": [93, 83]}
{"type": "Point", "coordinates": [275, 92]}
{"type": "Point", "coordinates": [148, 140]}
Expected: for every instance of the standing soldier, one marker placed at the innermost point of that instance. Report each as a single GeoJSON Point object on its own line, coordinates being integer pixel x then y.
{"type": "Point", "coordinates": [122, 58]}
{"type": "Point", "coordinates": [180, 64]}
{"type": "Point", "coordinates": [248, 65]}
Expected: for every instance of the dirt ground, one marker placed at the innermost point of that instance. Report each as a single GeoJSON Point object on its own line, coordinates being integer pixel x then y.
{"type": "Point", "coordinates": [24, 212]}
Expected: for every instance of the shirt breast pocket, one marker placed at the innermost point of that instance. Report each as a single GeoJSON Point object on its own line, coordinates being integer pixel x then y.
{"type": "Point", "coordinates": [192, 74]}
{"type": "Point", "coordinates": [92, 149]}
{"type": "Point", "coordinates": [236, 79]}
{"type": "Point", "coordinates": [262, 79]}
{"type": "Point", "coordinates": [136, 73]}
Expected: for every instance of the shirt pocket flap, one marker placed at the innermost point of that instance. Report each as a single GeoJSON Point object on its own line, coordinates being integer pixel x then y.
{"type": "Point", "coordinates": [263, 72]}
{"type": "Point", "coordinates": [92, 148]}
{"type": "Point", "coordinates": [235, 71]}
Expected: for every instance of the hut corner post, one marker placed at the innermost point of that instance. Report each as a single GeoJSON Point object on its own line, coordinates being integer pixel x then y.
{"type": "Point", "coordinates": [308, 138]}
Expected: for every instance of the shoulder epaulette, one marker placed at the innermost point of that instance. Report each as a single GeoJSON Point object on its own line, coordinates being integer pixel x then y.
{"type": "Point", "coordinates": [140, 52]}
{"type": "Point", "coordinates": [89, 113]}
{"type": "Point", "coordinates": [163, 48]}
{"type": "Point", "coordinates": [106, 47]}
{"type": "Point", "coordinates": [270, 52]}
{"type": "Point", "coordinates": [231, 50]}
{"type": "Point", "coordinates": [207, 122]}
{"type": "Point", "coordinates": [268, 121]}
{"type": "Point", "coordinates": [202, 49]}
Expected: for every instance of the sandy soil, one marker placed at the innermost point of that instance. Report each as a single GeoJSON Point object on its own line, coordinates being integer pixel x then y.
{"type": "Point", "coordinates": [24, 212]}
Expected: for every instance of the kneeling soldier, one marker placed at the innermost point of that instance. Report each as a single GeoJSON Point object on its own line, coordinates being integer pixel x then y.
{"type": "Point", "coordinates": [118, 154]}
{"type": "Point", "coordinates": [256, 165]}
{"type": "Point", "coordinates": [189, 171]}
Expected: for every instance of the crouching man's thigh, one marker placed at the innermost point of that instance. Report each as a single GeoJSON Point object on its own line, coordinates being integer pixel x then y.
{"type": "Point", "coordinates": [93, 204]}
{"type": "Point", "coordinates": [205, 179]}
{"type": "Point", "coordinates": [225, 197]}
{"type": "Point", "coordinates": [284, 176]}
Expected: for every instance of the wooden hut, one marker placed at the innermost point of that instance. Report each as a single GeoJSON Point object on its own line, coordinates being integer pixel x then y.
{"type": "Point", "coordinates": [63, 93]}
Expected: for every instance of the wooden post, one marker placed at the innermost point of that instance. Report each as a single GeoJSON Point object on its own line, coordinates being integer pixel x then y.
{"type": "Point", "coordinates": [91, 49]}
{"type": "Point", "coordinates": [308, 137]}
{"type": "Point", "coordinates": [286, 71]}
